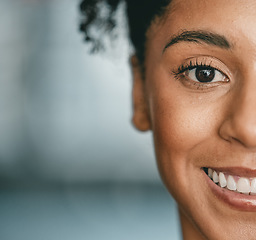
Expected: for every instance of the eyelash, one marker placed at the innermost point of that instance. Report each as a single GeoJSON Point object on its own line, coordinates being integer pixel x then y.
{"type": "Point", "coordinates": [191, 66]}
{"type": "Point", "coordinates": [178, 74]}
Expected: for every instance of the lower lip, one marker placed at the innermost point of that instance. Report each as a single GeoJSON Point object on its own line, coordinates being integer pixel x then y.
{"type": "Point", "coordinates": [235, 200]}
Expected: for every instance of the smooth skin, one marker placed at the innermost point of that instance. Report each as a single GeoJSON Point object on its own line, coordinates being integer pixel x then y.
{"type": "Point", "coordinates": [196, 124]}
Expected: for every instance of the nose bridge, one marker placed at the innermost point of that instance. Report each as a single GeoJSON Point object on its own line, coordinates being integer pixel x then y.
{"type": "Point", "coordinates": [240, 126]}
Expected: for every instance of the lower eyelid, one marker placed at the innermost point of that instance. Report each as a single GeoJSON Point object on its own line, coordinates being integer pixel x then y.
{"type": "Point", "coordinates": [198, 85]}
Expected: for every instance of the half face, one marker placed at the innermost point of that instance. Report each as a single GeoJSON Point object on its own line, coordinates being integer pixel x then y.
{"type": "Point", "coordinates": [200, 94]}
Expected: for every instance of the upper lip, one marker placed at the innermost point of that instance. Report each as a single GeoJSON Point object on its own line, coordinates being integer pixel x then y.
{"type": "Point", "coordinates": [236, 171]}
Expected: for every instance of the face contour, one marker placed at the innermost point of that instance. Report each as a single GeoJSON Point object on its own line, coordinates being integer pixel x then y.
{"type": "Point", "coordinates": [199, 99]}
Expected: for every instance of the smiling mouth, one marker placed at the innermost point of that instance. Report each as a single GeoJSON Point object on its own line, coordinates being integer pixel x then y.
{"type": "Point", "coordinates": [233, 183]}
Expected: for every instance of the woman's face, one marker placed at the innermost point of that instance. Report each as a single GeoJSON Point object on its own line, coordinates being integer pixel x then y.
{"type": "Point", "coordinates": [199, 99]}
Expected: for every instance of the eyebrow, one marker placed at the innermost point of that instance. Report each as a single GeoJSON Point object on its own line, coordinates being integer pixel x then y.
{"type": "Point", "coordinates": [200, 37]}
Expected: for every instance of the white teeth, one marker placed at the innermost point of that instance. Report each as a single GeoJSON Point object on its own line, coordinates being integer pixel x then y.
{"type": "Point", "coordinates": [243, 185]}
{"type": "Point", "coordinates": [215, 177]}
{"type": "Point", "coordinates": [253, 186]}
{"type": "Point", "coordinates": [222, 180]}
{"type": "Point", "coordinates": [231, 184]}
{"type": "Point", "coordinates": [210, 172]}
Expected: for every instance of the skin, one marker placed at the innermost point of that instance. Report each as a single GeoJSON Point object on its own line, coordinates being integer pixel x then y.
{"type": "Point", "coordinates": [201, 125]}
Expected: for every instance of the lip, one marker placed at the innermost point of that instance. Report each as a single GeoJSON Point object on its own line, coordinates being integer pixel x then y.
{"type": "Point", "coordinates": [235, 200]}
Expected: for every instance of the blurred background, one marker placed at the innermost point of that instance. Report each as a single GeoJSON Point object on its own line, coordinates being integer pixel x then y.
{"type": "Point", "coordinates": [71, 164]}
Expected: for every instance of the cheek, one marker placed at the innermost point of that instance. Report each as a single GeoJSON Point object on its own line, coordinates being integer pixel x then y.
{"type": "Point", "coordinates": [181, 125]}
{"type": "Point", "coordinates": [180, 118]}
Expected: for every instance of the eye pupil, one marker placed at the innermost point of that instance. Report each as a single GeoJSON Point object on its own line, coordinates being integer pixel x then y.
{"type": "Point", "coordinates": [204, 74]}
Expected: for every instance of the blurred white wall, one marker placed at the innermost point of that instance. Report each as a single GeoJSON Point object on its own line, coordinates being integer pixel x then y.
{"type": "Point", "coordinates": [64, 114]}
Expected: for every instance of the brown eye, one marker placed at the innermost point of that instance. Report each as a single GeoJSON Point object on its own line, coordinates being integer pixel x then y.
{"type": "Point", "coordinates": [205, 75]}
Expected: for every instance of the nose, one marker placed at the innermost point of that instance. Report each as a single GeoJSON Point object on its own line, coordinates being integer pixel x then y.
{"type": "Point", "coordinates": [239, 125]}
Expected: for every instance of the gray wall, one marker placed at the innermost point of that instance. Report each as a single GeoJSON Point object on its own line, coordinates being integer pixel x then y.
{"type": "Point", "coordinates": [64, 114]}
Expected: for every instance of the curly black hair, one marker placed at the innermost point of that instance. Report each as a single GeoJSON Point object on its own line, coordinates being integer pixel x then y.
{"type": "Point", "coordinates": [139, 14]}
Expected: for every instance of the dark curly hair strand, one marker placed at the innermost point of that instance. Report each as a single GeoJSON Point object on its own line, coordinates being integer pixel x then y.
{"type": "Point", "coordinates": [139, 14]}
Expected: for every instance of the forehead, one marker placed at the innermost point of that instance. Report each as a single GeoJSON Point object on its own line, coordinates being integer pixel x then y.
{"type": "Point", "coordinates": [190, 12]}
{"type": "Point", "coordinates": [234, 19]}
{"type": "Point", "coordinates": [181, 14]}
